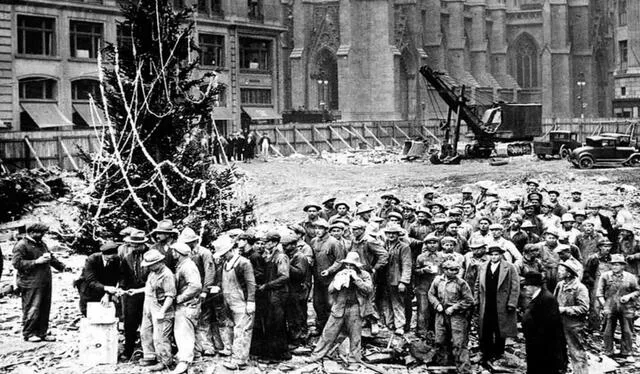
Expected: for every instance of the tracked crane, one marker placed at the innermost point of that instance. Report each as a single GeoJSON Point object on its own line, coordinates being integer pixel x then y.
{"type": "Point", "coordinates": [501, 123]}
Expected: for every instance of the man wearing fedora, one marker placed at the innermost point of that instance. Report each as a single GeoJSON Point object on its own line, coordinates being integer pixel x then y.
{"type": "Point", "coordinates": [238, 290]}
{"type": "Point", "coordinates": [452, 300]}
{"type": "Point", "coordinates": [33, 261]}
{"type": "Point", "coordinates": [158, 312]}
{"type": "Point", "coordinates": [134, 276]}
{"type": "Point", "coordinates": [616, 292]}
{"type": "Point", "coordinates": [100, 276]}
{"type": "Point", "coordinates": [165, 235]}
{"type": "Point", "coordinates": [188, 287]}
{"type": "Point", "coordinates": [327, 251]}
{"type": "Point", "coordinates": [497, 292]}
{"type": "Point", "coordinates": [203, 259]}
{"type": "Point", "coordinates": [342, 211]}
{"type": "Point", "coordinates": [545, 343]}
{"type": "Point", "coordinates": [328, 208]}
{"type": "Point", "coordinates": [573, 301]}
{"type": "Point", "coordinates": [398, 279]}
{"type": "Point", "coordinates": [350, 290]}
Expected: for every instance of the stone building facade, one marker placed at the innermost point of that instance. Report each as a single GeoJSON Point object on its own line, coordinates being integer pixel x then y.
{"type": "Point", "coordinates": [48, 59]}
{"type": "Point", "coordinates": [360, 59]}
{"type": "Point", "coordinates": [626, 73]}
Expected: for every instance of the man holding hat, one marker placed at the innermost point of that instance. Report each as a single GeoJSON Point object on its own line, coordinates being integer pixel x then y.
{"type": "Point", "coordinates": [452, 299]}
{"type": "Point", "coordinates": [238, 290]}
{"type": "Point", "coordinates": [545, 343]}
{"type": "Point", "coordinates": [327, 251]}
{"type": "Point", "coordinates": [398, 279]}
{"type": "Point", "coordinates": [350, 290]}
{"type": "Point", "coordinates": [188, 288]}
{"type": "Point", "coordinates": [100, 276]}
{"type": "Point", "coordinates": [158, 312]}
{"type": "Point", "coordinates": [165, 235]}
{"type": "Point", "coordinates": [374, 258]}
{"type": "Point", "coordinates": [422, 226]}
{"type": "Point", "coordinates": [309, 224]}
{"type": "Point", "coordinates": [573, 301]}
{"type": "Point", "coordinates": [629, 246]}
{"type": "Point", "coordinates": [276, 289]}
{"type": "Point", "coordinates": [617, 290]}
{"type": "Point", "coordinates": [134, 277]}
{"type": "Point", "coordinates": [33, 261]}
{"type": "Point", "coordinates": [497, 292]}
{"type": "Point", "coordinates": [203, 259]}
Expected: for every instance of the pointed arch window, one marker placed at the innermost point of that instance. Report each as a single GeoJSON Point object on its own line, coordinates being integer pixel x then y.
{"type": "Point", "coordinates": [524, 62]}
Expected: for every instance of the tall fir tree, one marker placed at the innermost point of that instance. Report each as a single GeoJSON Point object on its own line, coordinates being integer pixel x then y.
{"type": "Point", "coordinates": [156, 162]}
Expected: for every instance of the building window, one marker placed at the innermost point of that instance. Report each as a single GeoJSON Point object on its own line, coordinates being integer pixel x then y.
{"type": "Point", "coordinates": [210, 7]}
{"type": "Point", "coordinates": [524, 62]}
{"type": "Point", "coordinates": [255, 96]}
{"type": "Point", "coordinates": [36, 36]}
{"type": "Point", "coordinates": [623, 91]}
{"type": "Point", "coordinates": [212, 47]}
{"type": "Point", "coordinates": [86, 39]}
{"type": "Point", "coordinates": [37, 89]}
{"type": "Point", "coordinates": [255, 10]}
{"type": "Point", "coordinates": [624, 53]}
{"type": "Point", "coordinates": [83, 89]}
{"type": "Point", "coordinates": [125, 37]}
{"type": "Point", "coordinates": [622, 12]}
{"type": "Point", "coordinates": [255, 54]}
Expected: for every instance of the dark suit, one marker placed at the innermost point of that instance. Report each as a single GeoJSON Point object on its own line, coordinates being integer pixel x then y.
{"type": "Point", "coordinates": [545, 343]}
{"type": "Point", "coordinates": [95, 276]}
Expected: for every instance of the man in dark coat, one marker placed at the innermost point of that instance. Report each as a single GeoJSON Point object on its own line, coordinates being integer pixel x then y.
{"type": "Point", "coordinates": [33, 261]}
{"type": "Point", "coordinates": [497, 292]}
{"type": "Point", "coordinates": [100, 276]}
{"type": "Point", "coordinates": [545, 342]}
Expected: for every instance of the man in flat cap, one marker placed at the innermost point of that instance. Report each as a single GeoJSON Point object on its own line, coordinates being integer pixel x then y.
{"type": "Point", "coordinates": [309, 223]}
{"type": "Point", "coordinates": [327, 251]}
{"type": "Point", "coordinates": [556, 207]}
{"type": "Point", "coordinates": [550, 259]}
{"type": "Point", "coordinates": [100, 276]}
{"type": "Point", "coordinates": [398, 279]}
{"type": "Point", "coordinates": [597, 264]}
{"type": "Point", "coordinates": [33, 261]}
{"type": "Point", "coordinates": [422, 226]}
{"type": "Point", "coordinates": [426, 269]}
{"type": "Point", "coordinates": [576, 202]}
{"type": "Point", "coordinates": [389, 204]}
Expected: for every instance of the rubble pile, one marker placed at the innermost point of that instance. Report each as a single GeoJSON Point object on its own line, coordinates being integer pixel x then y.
{"type": "Point", "coordinates": [363, 157]}
{"type": "Point", "coordinates": [19, 191]}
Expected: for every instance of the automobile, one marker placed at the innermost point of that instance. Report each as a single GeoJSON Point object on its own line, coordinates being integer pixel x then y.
{"type": "Point", "coordinates": [601, 150]}
{"type": "Point", "coordinates": [561, 142]}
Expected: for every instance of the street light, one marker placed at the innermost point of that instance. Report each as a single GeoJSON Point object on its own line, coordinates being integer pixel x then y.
{"type": "Point", "coordinates": [581, 83]}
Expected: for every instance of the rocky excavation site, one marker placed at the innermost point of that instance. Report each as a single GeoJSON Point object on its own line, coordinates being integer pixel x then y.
{"type": "Point", "coordinates": [282, 186]}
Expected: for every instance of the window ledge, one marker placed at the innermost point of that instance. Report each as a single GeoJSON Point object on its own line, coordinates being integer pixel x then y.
{"type": "Point", "coordinates": [49, 101]}
{"type": "Point", "coordinates": [37, 57]}
{"type": "Point", "coordinates": [258, 105]}
{"type": "Point", "coordinates": [81, 59]}
{"type": "Point", "coordinates": [255, 71]}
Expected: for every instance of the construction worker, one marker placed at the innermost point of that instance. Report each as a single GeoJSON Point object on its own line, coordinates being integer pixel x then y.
{"type": "Point", "coordinates": [165, 235]}
{"type": "Point", "coordinates": [398, 279]}
{"type": "Point", "coordinates": [100, 276]}
{"type": "Point", "coordinates": [573, 302]}
{"type": "Point", "coordinates": [452, 299]}
{"type": "Point", "coordinates": [350, 290]}
{"type": "Point", "coordinates": [426, 269]}
{"type": "Point", "coordinates": [327, 251]}
{"type": "Point", "coordinates": [299, 285]}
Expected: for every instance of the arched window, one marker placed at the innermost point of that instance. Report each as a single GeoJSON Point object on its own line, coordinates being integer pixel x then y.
{"type": "Point", "coordinates": [82, 89]}
{"type": "Point", "coordinates": [83, 114]}
{"type": "Point", "coordinates": [38, 104]}
{"type": "Point", "coordinates": [523, 59]}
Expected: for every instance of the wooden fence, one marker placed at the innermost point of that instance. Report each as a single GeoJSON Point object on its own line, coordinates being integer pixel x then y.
{"type": "Point", "coordinates": [31, 149]}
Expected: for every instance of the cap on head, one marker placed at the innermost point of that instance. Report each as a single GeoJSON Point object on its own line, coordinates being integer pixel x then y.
{"type": "Point", "coordinates": [109, 248]}
{"type": "Point", "coordinates": [273, 236]}
{"type": "Point", "coordinates": [618, 259]}
{"type": "Point", "coordinates": [311, 205]}
{"type": "Point", "coordinates": [320, 222]}
{"type": "Point", "coordinates": [188, 236]}
{"type": "Point", "coordinates": [182, 248]}
{"type": "Point", "coordinates": [393, 228]}
{"type": "Point", "coordinates": [567, 217]}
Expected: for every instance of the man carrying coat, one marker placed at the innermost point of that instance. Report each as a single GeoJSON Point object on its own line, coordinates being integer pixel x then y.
{"type": "Point", "coordinates": [545, 343]}
{"type": "Point", "coordinates": [497, 292]}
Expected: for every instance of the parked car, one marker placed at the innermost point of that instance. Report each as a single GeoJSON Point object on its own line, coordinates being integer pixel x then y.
{"type": "Point", "coordinates": [612, 150]}
{"type": "Point", "coordinates": [561, 142]}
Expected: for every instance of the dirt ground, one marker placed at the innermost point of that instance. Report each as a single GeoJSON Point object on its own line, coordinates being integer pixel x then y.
{"type": "Point", "coordinates": [282, 187]}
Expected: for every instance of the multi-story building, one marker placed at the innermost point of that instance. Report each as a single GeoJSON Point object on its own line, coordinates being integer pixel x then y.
{"type": "Point", "coordinates": [626, 73]}
{"type": "Point", "coordinates": [49, 49]}
{"type": "Point", "coordinates": [360, 59]}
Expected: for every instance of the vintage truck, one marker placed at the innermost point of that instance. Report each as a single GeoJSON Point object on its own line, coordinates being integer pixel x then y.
{"type": "Point", "coordinates": [606, 150]}
{"type": "Point", "coordinates": [561, 142]}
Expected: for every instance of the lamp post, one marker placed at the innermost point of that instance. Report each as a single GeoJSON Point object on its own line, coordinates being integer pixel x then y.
{"type": "Point", "coordinates": [323, 85]}
{"type": "Point", "coordinates": [581, 83]}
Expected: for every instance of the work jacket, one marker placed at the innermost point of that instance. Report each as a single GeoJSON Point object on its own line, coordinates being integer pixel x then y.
{"type": "Point", "coordinates": [364, 287]}
{"type": "Point", "coordinates": [30, 274]}
{"type": "Point", "coordinates": [399, 267]}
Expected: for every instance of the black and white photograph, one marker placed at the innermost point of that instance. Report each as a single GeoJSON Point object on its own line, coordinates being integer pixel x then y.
{"type": "Point", "coordinates": [319, 186]}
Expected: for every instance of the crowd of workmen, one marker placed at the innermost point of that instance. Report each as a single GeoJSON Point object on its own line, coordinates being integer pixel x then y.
{"type": "Point", "coordinates": [563, 267]}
